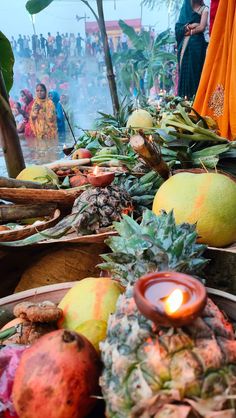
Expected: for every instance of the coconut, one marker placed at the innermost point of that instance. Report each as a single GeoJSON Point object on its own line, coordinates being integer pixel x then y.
{"type": "Point", "coordinates": [140, 118]}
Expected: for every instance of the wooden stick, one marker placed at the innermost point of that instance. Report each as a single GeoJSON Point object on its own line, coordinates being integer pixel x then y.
{"type": "Point", "coordinates": [150, 154]}
{"type": "Point", "coordinates": [12, 213]}
{"type": "Point", "coordinates": [9, 182]}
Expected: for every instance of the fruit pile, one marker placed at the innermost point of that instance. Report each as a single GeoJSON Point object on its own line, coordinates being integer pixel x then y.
{"type": "Point", "coordinates": [144, 370]}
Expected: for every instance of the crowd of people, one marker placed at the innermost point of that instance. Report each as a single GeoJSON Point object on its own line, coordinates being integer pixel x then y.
{"type": "Point", "coordinates": [47, 116]}
{"type": "Point", "coordinates": [71, 45]}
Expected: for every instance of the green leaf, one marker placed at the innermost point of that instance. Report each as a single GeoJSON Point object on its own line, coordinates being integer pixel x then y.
{"type": "Point", "coordinates": [36, 6]}
{"type": "Point", "coordinates": [211, 151]}
{"type": "Point", "coordinates": [6, 61]}
{"type": "Point", "coordinates": [137, 41]}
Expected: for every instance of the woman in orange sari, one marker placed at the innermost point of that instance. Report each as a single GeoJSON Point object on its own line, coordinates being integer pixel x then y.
{"type": "Point", "coordinates": [216, 95]}
{"type": "Point", "coordinates": [43, 120]}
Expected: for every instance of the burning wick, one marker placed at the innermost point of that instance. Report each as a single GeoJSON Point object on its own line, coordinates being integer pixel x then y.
{"type": "Point", "coordinates": [174, 301]}
{"type": "Point", "coordinates": [96, 170]}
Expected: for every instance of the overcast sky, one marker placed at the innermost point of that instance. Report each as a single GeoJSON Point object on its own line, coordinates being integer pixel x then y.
{"type": "Point", "coordinates": [60, 16]}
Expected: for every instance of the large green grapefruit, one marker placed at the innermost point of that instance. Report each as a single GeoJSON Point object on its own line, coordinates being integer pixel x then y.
{"type": "Point", "coordinates": [208, 199]}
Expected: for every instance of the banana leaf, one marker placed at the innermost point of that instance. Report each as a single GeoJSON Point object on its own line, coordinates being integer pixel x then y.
{"type": "Point", "coordinates": [137, 42]}
{"type": "Point", "coordinates": [6, 61]}
{"type": "Point", "coordinates": [36, 6]}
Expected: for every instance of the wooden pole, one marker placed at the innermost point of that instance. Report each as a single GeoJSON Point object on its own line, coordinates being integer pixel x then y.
{"type": "Point", "coordinates": [8, 135]}
{"type": "Point", "coordinates": [108, 60]}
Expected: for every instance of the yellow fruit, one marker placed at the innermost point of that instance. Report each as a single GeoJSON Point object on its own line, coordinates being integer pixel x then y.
{"type": "Point", "coordinates": [140, 119]}
{"type": "Point", "coordinates": [208, 199]}
{"type": "Point", "coordinates": [38, 173]}
{"type": "Point", "coordinates": [94, 330]}
{"type": "Point", "coordinates": [92, 298]}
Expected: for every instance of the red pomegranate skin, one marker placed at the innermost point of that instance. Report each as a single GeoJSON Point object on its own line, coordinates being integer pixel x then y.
{"type": "Point", "coordinates": [57, 377]}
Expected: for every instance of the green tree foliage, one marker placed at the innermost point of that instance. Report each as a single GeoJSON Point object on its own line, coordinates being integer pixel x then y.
{"type": "Point", "coordinates": [146, 59]}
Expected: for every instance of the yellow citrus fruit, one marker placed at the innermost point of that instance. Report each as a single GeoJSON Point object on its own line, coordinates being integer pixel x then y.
{"type": "Point", "coordinates": [94, 330]}
{"type": "Point", "coordinates": [140, 119]}
{"type": "Point", "coordinates": [208, 199]}
{"type": "Point", "coordinates": [39, 173]}
{"type": "Point", "coordinates": [91, 298]}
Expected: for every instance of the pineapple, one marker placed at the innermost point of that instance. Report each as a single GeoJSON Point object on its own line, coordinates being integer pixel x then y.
{"type": "Point", "coordinates": [154, 372]}
{"type": "Point", "coordinates": [107, 204]}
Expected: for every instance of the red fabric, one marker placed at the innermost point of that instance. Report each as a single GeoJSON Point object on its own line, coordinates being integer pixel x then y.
{"type": "Point", "coordinates": [28, 130]}
{"type": "Point", "coordinates": [213, 10]}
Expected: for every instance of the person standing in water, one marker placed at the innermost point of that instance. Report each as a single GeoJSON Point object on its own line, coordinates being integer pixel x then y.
{"type": "Point", "coordinates": [54, 96]}
{"type": "Point", "coordinates": [43, 120]}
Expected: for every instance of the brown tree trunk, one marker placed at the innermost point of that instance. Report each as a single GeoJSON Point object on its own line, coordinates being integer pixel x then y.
{"type": "Point", "coordinates": [108, 60]}
{"type": "Point", "coordinates": [9, 137]}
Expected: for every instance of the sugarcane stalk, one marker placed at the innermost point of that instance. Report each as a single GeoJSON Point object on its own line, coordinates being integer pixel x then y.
{"type": "Point", "coordinates": [13, 183]}
{"type": "Point", "coordinates": [150, 154]}
{"type": "Point", "coordinates": [68, 163]}
{"type": "Point", "coordinates": [12, 213]}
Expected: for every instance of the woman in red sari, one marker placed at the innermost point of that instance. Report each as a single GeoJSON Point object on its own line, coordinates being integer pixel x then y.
{"type": "Point", "coordinates": [28, 100]}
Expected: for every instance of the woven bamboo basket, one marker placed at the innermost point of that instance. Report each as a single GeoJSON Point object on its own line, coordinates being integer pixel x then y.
{"type": "Point", "coordinates": [55, 293]}
{"type": "Point", "coordinates": [18, 234]}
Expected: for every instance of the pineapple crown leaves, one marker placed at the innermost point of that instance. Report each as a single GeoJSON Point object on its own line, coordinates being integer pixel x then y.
{"type": "Point", "coordinates": [142, 190]}
{"type": "Point", "coordinates": [155, 244]}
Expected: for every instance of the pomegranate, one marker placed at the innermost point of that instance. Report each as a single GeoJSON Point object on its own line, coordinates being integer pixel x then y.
{"type": "Point", "coordinates": [57, 377]}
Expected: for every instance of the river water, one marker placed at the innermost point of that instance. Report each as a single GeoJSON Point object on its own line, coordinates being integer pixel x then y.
{"type": "Point", "coordinates": [36, 152]}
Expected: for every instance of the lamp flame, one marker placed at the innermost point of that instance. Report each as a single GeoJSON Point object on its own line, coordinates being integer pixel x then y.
{"type": "Point", "coordinates": [96, 170]}
{"type": "Point", "coordinates": [174, 301]}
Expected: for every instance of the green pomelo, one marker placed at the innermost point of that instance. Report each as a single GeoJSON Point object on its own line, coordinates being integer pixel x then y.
{"type": "Point", "coordinates": [38, 173]}
{"type": "Point", "coordinates": [90, 299]}
{"type": "Point", "coordinates": [140, 119]}
{"type": "Point", "coordinates": [207, 199]}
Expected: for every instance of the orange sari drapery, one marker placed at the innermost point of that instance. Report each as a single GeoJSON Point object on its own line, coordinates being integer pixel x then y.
{"type": "Point", "coordinates": [216, 95]}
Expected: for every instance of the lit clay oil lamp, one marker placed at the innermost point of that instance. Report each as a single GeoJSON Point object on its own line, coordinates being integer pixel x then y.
{"type": "Point", "coordinates": [170, 299]}
{"type": "Point", "coordinates": [100, 178]}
